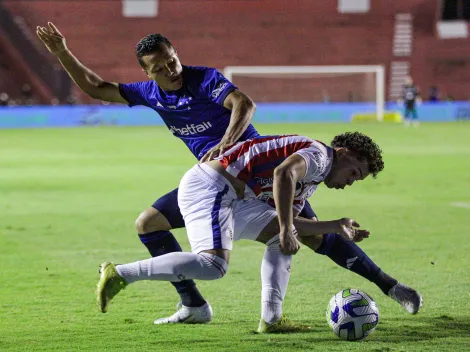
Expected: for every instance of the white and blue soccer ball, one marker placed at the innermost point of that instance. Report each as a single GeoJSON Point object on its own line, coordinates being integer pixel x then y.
{"type": "Point", "coordinates": [352, 314]}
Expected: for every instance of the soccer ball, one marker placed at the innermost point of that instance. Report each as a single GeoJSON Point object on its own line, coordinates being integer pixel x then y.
{"type": "Point", "coordinates": [352, 314]}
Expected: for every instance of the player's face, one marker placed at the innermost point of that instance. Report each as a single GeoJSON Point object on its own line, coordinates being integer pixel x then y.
{"type": "Point", "coordinates": [164, 67]}
{"type": "Point", "coordinates": [346, 170]}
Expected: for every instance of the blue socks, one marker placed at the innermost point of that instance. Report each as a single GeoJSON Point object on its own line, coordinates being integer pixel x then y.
{"type": "Point", "coordinates": [163, 242]}
{"type": "Point", "coordinates": [348, 255]}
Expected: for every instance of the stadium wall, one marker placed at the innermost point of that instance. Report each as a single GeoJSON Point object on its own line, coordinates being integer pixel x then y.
{"type": "Point", "coordinates": [96, 115]}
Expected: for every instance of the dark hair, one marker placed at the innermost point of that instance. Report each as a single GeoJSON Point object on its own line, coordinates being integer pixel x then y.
{"type": "Point", "coordinates": [364, 147]}
{"type": "Point", "coordinates": [149, 44]}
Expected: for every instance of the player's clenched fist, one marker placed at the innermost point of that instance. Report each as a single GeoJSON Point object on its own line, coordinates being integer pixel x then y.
{"type": "Point", "coordinates": [52, 38]}
{"type": "Point", "coordinates": [288, 243]}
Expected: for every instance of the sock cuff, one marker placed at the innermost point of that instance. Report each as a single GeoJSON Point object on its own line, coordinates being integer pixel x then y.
{"type": "Point", "coordinates": [273, 243]}
{"type": "Point", "coordinates": [215, 261]}
{"type": "Point", "coordinates": [153, 236]}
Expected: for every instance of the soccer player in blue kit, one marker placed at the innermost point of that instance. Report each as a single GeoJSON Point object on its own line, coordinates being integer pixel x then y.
{"type": "Point", "coordinates": [208, 113]}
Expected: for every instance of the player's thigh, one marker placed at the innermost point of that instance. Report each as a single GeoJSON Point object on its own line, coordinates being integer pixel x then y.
{"type": "Point", "coordinates": [163, 215]}
{"type": "Point", "coordinates": [206, 206]}
{"type": "Point", "coordinates": [307, 212]}
{"type": "Point", "coordinates": [151, 220]}
{"type": "Point", "coordinates": [168, 207]}
{"type": "Point", "coordinates": [254, 220]}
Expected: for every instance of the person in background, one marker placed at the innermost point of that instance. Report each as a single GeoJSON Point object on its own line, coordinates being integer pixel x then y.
{"type": "Point", "coordinates": [410, 98]}
{"type": "Point", "coordinates": [434, 94]}
{"type": "Point", "coordinates": [4, 99]}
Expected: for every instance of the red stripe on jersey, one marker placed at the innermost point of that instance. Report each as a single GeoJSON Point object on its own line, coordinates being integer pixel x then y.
{"type": "Point", "coordinates": [245, 147]}
{"type": "Point", "coordinates": [270, 156]}
{"type": "Point", "coordinates": [257, 189]}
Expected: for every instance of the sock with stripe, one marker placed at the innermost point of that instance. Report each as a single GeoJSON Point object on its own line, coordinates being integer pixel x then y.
{"type": "Point", "coordinates": [348, 255]}
{"type": "Point", "coordinates": [176, 266]}
{"type": "Point", "coordinates": [163, 242]}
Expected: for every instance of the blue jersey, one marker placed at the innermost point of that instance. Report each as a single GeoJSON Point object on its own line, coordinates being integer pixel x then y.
{"type": "Point", "coordinates": [195, 112]}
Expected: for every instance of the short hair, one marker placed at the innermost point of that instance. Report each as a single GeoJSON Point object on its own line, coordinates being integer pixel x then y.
{"type": "Point", "coordinates": [364, 147]}
{"type": "Point", "coordinates": [150, 44]}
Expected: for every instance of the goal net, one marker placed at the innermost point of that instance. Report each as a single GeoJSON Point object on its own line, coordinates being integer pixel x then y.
{"type": "Point", "coordinates": [362, 86]}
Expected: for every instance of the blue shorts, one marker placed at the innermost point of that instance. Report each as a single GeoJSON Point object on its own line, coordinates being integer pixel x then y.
{"type": "Point", "coordinates": [168, 206]}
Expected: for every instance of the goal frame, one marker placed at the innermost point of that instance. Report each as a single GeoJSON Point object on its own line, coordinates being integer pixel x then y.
{"type": "Point", "coordinates": [379, 71]}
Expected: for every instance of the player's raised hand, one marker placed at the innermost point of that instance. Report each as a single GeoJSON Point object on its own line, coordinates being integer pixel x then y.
{"type": "Point", "coordinates": [52, 38]}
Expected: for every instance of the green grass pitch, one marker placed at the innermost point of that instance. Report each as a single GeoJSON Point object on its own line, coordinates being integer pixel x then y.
{"type": "Point", "coordinates": [69, 198]}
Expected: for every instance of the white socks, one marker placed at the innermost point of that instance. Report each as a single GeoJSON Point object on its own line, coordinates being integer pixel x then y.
{"type": "Point", "coordinates": [275, 274]}
{"type": "Point", "coordinates": [177, 266]}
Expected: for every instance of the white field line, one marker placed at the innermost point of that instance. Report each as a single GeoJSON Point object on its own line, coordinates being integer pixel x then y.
{"type": "Point", "coordinates": [461, 205]}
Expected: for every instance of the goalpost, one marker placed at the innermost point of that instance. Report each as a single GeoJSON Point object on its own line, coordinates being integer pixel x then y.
{"type": "Point", "coordinates": [324, 72]}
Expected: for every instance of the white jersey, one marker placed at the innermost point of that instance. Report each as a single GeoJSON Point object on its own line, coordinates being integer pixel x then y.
{"type": "Point", "coordinates": [253, 161]}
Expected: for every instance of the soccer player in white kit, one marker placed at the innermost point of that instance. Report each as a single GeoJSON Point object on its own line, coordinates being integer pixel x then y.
{"type": "Point", "coordinates": [252, 191]}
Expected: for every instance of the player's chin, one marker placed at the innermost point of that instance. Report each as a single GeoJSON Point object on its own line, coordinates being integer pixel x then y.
{"type": "Point", "coordinates": [329, 184]}
{"type": "Point", "coordinates": [334, 185]}
{"type": "Point", "coordinates": [174, 84]}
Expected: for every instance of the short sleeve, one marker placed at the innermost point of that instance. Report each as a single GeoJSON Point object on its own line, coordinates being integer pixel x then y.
{"type": "Point", "coordinates": [216, 87]}
{"type": "Point", "coordinates": [135, 93]}
{"type": "Point", "coordinates": [318, 162]}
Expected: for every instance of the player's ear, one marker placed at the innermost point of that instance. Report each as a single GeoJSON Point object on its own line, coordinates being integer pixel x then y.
{"type": "Point", "coordinates": [340, 151]}
{"type": "Point", "coordinates": [146, 73]}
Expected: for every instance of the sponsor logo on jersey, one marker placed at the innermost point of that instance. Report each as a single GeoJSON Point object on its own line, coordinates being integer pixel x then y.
{"type": "Point", "coordinates": [219, 89]}
{"type": "Point", "coordinates": [264, 181]}
{"type": "Point", "coordinates": [190, 129]}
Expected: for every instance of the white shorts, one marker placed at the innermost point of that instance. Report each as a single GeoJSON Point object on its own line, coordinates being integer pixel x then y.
{"type": "Point", "coordinates": [213, 214]}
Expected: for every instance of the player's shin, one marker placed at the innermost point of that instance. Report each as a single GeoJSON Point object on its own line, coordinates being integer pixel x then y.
{"type": "Point", "coordinates": [175, 267]}
{"type": "Point", "coordinates": [163, 242]}
{"type": "Point", "coordinates": [275, 274]}
{"type": "Point", "coordinates": [348, 255]}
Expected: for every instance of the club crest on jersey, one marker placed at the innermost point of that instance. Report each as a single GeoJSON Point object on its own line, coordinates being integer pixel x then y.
{"type": "Point", "coordinates": [190, 129]}
{"type": "Point", "coordinates": [220, 87]}
{"type": "Point", "coordinates": [184, 101]}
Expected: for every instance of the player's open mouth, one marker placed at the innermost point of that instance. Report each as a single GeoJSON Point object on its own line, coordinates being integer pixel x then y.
{"type": "Point", "coordinates": [176, 79]}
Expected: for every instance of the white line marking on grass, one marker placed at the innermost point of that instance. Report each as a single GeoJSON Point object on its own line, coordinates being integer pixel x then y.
{"type": "Point", "coordinates": [460, 205]}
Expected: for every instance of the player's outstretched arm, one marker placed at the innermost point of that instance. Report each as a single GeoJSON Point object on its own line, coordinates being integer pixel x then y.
{"type": "Point", "coordinates": [346, 227]}
{"type": "Point", "coordinates": [88, 81]}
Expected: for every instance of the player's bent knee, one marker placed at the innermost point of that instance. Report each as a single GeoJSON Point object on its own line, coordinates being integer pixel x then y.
{"type": "Point", "coordinates": [312, 242]}
{"type": "Point", "coordinates": [213, 266]}
{"type": "Point", "coordinates": [151, 220]}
